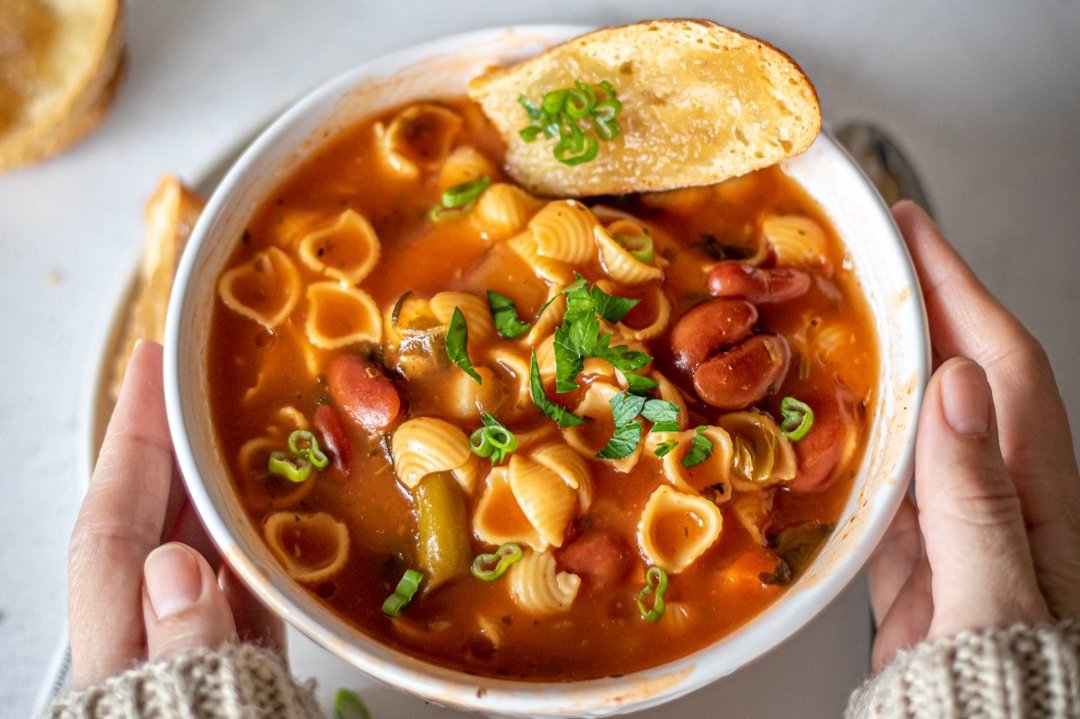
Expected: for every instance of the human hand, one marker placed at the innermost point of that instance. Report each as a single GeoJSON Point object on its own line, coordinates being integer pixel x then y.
{"type": "Point", "coordinates": [132, 594]}
{"type": "Point", "coordinates": [995, 538]}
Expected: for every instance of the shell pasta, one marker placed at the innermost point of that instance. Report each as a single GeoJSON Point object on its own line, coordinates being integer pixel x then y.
{"type": "Point", "coordinates": [489, 429]}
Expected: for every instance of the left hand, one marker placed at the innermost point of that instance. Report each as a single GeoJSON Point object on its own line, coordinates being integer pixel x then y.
{"type": "Point", "coordinates": [133, 595]}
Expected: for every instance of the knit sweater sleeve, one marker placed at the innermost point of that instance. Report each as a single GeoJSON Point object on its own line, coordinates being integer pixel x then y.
{"type": "Point", "coordinates": [1023, 672]}
{"type": "Point", "coordinates": [233, 682]}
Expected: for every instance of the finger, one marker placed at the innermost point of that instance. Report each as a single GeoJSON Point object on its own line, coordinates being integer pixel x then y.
{"type": "Point", "coordinates": [908, 618]}
{"type": "Point", "coordinates": [254, 621]}
{"type": "Point", "coordinates": [894, 559]}
{"type": "Point", "coordinates": [188, 529]}
{"type": "Point", "coordinates": [183, 606]}
{"type": "Point", "coordinates": [966, 320]}
{"type": "Point", "coordinates": [969, 512]}
{"type": "Point", "coordinates": [120, 522]}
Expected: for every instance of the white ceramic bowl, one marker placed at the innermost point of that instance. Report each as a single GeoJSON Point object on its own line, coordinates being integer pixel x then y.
{"type": "Point", "coordinates": [443, 68]}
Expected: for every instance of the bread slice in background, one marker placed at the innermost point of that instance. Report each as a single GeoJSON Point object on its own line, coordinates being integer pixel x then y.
{"type": "Point", "coordinates": [60, 64]}
{"type": "Point", "coordinates": [171, 214]}
{"type": "Point", "coordinates": [700, 104]}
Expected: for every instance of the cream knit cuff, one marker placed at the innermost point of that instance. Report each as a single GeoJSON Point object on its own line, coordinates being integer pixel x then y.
{"type": "Point", "coordinates": [1023, 672]}
{"type": "Point", "coordinates": [237, 680]}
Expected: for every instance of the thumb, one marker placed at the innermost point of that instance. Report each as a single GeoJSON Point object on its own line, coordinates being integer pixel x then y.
{"type": "Point", "coordinates": [969, 512]}
{"type": "Point", "coordinates": [183, 606]}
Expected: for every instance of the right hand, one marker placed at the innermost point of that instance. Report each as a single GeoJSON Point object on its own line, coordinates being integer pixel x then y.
{"type": "Point", "coordinates": [995, 539]}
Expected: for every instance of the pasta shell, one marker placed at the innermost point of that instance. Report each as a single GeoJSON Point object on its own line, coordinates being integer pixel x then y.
{"type": "Point", "coordinates": [653, 304]}
{"type": "Point", "coordinates": [714, 474]}
{"type": "Point", "coordinates": [545, 363]}
{"type": "Point", "coordinates": [293, 225]}
{"type": "Point", "coordinates": [761, 455]}
{"type": "Point", "coordinates": [265, 289]}
{"type": "Point", "coordinates": [677, 528]}
{"type": "Point", "coordinates": [498, 518]}
{"type": "Point", "coordinates": [434, 125]}
{"type": "Point", "coordinates": [476, 312]}
{"type": "Point", "coordinates": [563, 230]}
{"type": "Point", "coordinates": [465, 399]}
{"type": "Point", "coordinates": [424, 445]}
{"type": "Point", "coordinates": [347, 250]}
{"type": "Point", "coordinates": [795, 240]}
{"type": "Point", "coordinates": [668, 392]}
{"type": "Point", "coordinates": [537, 588]}
{"type": "Point", "coordinates": [503, 210]}
{"type": "Point", "coordinates": [545, 499]}
{"type": "Point", "coordinates": [312, 547]}
{"type": "Point", "coordinates": [590, 437]}
{"type": "Point", "coordinates": [570, 467]}
{"type": "Point", "coordinates": [261, 489]}
{"type": "Point", "coordinates": [464, 164]}
{"type": "Point", "coordinates": [512, 377]}
{"type": "Point", "coordinates": [752, 510]}
{"type": "Point", "coordinates": [831, 341]}
{"type": "Point", "coordinates": [340, 315]}
{"type": "Point", "coordinates": [620, 265]}
{"type": "Point", "coordinates": [683, 200]}
{"type": "Point", "coordinates": [549, 319]}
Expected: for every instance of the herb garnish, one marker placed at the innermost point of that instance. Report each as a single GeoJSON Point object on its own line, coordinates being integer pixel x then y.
{"type": "Point", "coordinates": [457, 345]}
{"type": "Point", "coordinates": [492, 440]}
{"type": "Point", "coordinates": [700, 449]}
{"type": "Point", "coordinates": [504, 313]}
{"type": "Point", "coordinates": [570, 113]}
{"type": "Point", "coordinates": [563, 416]}
{"type": "Point", "coordinates": [625, 408]}
{"type": "Point", "coordinates": [459, 197]}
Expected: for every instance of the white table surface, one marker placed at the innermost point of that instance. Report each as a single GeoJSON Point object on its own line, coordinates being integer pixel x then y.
{"type": "Point", "coordinates": [984, 94]}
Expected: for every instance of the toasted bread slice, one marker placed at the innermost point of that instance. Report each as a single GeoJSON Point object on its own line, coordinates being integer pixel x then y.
{"type": "Point", "coordinates": [700, 104]}
{"type": "Point", "coordinates": [171, 213]}
{"type": "Point", "coordinates": [59, 68]}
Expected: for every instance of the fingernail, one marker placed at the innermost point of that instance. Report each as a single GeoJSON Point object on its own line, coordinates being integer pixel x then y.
{"type": "Point", "coordinates": [965, 398]}
{"type": "Point", "coordinates": [173, 580]}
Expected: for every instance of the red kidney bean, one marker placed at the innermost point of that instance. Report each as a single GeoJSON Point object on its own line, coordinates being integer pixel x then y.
{"type": "Point", "coordinates": [743, 375]}
{"type": "Point", "coordinates": [707, 328]}
{"type": "Point", "coordinates": [762, 286]}
{"type": "Point", "coordinates": [822, 448]}
{"type": "Point", "coordinates": [599, 557]}
{"type": "Point", "coordinates": [333, 435]}
{"type": "Point", "coordinates": [362, 392]}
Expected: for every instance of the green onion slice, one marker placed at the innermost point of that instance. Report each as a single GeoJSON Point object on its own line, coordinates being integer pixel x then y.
{"type": "Point", "coordinates": [797, 420]}
{"type": "Point", "coordinates": [640, 247]}
{"type": "Point", "coordinates": [492, 440]}
{"type": "Point", "coordinates": [466, 192]}
{"type": "Point", "coordinates": [294, 471]}
{"type": "Point", "coordinates": [656, 583]}
{"type": "Point", "coordinates": [310, 451]}
{"type": "Point", "coordinates": [349, 705]}
{"type": "Point", "coordinates": [568, 114]}
{"type": "Point", "coordinates": [489, 567]}
{"type": "Point", "coordinates": [406, 589]}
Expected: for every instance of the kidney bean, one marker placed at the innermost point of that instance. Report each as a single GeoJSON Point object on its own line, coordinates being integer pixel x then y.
{"type": "Point", "coordinates": [823, 447]}
{"type": "Point", "coordinates": [707, 328]}
{"type": "Point", "coordinates": [599, 557]}
{"type": "Point", "coordinates": [333, 435]}
{"type": "Point", "coordinates": [743, 375]}
{"type": "Point", "coordinates": [762, 286]}
{"type": "Point", "coordinates": [362, 392]}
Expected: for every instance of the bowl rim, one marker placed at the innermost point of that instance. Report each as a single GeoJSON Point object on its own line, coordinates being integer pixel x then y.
{"type": "Point", "coordinates": [458, 689]}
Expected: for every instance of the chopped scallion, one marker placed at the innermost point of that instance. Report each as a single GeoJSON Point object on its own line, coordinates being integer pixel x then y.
{"type": "Point", "coordinates": [656, 584]}
{"type": "Point", "coordinates": [403, 594]}
{"type": "Point", "coordinates": [349, 705]}
{"type": "Point", "coordinates": [281, 465]}
{"type": "Point", "coordinates": [640, 247]}
{"type": "Point", "coordinates": [798, 418]}
{"type": "Point", "coordinates": [492, 440]}
{"type": "Point", "coordinates": [489, 567]}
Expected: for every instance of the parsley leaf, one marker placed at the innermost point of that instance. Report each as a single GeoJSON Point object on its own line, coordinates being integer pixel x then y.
{"type": "Point", "coordinates": [700, 449]}
{"type": "Point", "coordinates": [625, 408]}
{"type": "Point", "coordinates": [457, 344]}
{"type": "Point", "coordinates": [563, 416]}
{"type": "Point", "coordinates": [665, 447]}
{"type": "Point", "coordinates": [568, 362]}
{"type": "Point", "coordinates": [663, 414]}
{"type": "Point", "coordinates": [623, 442]}
{"type": "Point", "coordinates": [639, 384]}
{"type": "Point", "coordinates": [504, 313]}
{"type": "Point", "coordinates": [612, 308]}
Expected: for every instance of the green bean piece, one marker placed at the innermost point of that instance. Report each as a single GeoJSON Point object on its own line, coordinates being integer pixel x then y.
{"type": "Point", "coordinates": [444, 532]}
